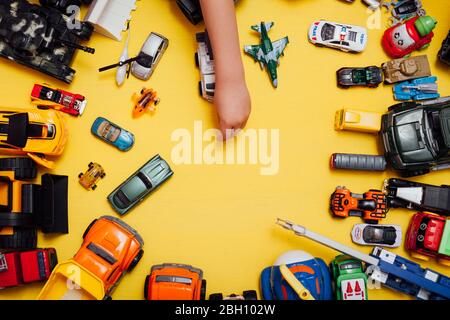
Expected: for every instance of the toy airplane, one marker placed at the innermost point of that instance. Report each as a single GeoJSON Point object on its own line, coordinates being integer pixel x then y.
{"type": "Point", "coordinates": [389, 269]}
{"type": "Point", "coordinates": [268, 53]}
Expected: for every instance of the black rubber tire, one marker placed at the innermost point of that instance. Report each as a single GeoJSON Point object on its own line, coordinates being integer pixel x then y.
{"type": "Point", "coordinates": [203, 290]}
{"type": "Point", "coordinates": [197, 63]}
{"type": "Point", "coordinates": [102, 175]}
{"type": "Point", "coordinates": [90, 165]}
{"type": "Point", "coordinates": [85, 32]}
{"type": "Point", "coordinates": [216, 296]}
{"type": "Point", "coordinates": [135, 261]}
{"type": "Point", "coordinates": [23, 238]}
{"type": "Point", "coordinates": [146, 284]}
{"type": "Point", "coordinates": [200, 89]}
{"type": "Point", "coordinates": [89, 228]}
{"type": "Point", "coordinates": [80, 175]}
{"type": "Point", "coordinates": [369, 221]}
{"type": "Point", "coordinates": [250, 295]}
{"type": "Point", "coordinates": [24, 168]}
{"type": "Point", "coordinates": [94, 187]}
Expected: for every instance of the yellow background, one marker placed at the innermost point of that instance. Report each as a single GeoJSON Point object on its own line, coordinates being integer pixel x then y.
{"type": "Point", "coordinates": [221, 218]}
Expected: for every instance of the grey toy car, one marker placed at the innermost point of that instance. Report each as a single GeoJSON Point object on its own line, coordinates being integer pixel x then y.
{"type": "Point", "coordinates": [140, 184]}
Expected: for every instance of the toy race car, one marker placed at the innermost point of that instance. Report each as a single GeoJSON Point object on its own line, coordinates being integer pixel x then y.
{"type": "Point", "coordinates": [51, 47]}
{"type": "Point", "coordinates": [27, 206]}
{"type": "Point", "coordinates": [246, 295]}
{"type": "Point", "coordinates": [112, 134]}
{"type": "Point", "coordinates": [367, 77]}
{"type": "Point", "coordinates": [204, 60]}
{"type": "Point", "coordinates": [339, 36]}
{"type": "Point", "coordinates": [149, 56]}
{"type": "Point", "coordinates": [417, 89]}
{"type": "Point", "coordinates": [444, 52]}
{"type": "Point", "coordinates": [94, 173]}
{"type": "Point", "coordinates": [428, 236]}
{"type": "Point", "coordinates": [22, 267]}
{"type": "Point", "coordinates": [34, 133]}
{"type": "Point", "coordinates": [140, 184]}
{"type": "Point", "coordinates": [418, 196]}
{"type": "Point", "coordinates": [110, 249]}
{"type": "Point", "coordinates": [47, 97]}
{"type": "Point", "coordinates": [371, 206]}
{"type": "Point", "coordinates": [172, 281]}
{"type": "Point", "coordinates": [387, 235]}
{"type": "Point", "coordinates": [296, 275]}
{"type": "Point", "coordinates": [404, 38]}
{"type": "Point", "coordinates": [406, 69]}
{"type": "Point", "coordinates": [349, 278]}
{"type": "Point", "coordinates": [146, 101]}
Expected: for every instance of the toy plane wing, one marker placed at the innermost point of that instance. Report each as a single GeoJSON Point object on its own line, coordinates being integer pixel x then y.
{"type": "Point", "coordinates": [256, 52]}
{"type": "Point", "coordinates": [280, 45]}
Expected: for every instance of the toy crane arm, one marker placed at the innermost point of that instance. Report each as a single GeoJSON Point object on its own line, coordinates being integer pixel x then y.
{"type": "Point", "coordinates": [302, 231]}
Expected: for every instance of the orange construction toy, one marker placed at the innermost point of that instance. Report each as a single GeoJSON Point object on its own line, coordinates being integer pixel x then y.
{"type": "Point", "coordinates": [371, 206]}
{"type": "Point", "coordinates": [175, 282]}
{"type": "Point", "coordinates": [147, 100]}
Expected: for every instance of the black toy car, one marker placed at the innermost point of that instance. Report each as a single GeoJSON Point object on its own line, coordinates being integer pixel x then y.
{"type": "Point", "coordinates": [39, 36]}
{"type": "Point", "coordinates": [418, 196]}
{"type": "Point", "coordinates": [444, 53]}
{"type": "Point", "coordinates": [416, 136]}
{"type": "Point", "coordinates": [369, 77]}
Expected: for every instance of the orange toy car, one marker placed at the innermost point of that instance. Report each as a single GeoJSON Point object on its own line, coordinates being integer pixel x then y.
{"type": "Point", "coordinates": [175, 282]}
{"type": "Point", "coordinates": [371, 206]}
{"type": "Point", "coordinates": [147, 100]}
{"type": "Point", "coordinates": [110, 248]}
{"type": "Point", "coordinates": [89, 179]}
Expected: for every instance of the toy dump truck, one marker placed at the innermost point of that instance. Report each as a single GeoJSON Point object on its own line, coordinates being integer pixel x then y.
{"type": "Point", "coordinates": [29, 206]}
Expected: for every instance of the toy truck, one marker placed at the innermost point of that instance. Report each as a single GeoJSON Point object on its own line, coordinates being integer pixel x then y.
{"type": "Point", "coordinates": [428, 236]}
{"type": "Point", "coordinates": [415, 137]}
{"type": "Point", "coordinates": [387, 268]}
{"type": "Point", "coordinates": [404, 69]}
{"type": "Point", "coordinates": [174, 281]}
{"type": "Point", "coordinates": [23, 267]}
{"type": "Point", "coordinates": [28, 206]}
{"type": "Point", "coordinates": [350, 279]}
{"type": "Point", "coordinates": [110, 249]}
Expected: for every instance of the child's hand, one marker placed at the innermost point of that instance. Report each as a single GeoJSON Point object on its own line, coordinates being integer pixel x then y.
{"type": "Point", "coordinates": [233, 105]}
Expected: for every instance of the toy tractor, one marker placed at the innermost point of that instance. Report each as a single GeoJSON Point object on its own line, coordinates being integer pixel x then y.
{"type": "Point", "coordinates": [26, 206]}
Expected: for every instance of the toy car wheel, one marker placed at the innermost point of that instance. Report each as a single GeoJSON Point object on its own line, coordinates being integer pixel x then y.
{"type": "Point", "coordinates": [22, 238]}
{"type": "Point", "coordinates": [216, 296]}
{"type": "Point", "coordinates": [146, 286]}
{"type": "Point", "coordinates": [80, 175]}
{"type": "Point", "coordinates": [89, 228]}
{"type": "Point", "coordinates": [24, 168]}
{"type": "Point", "coordinates": [136, 260]}
{"type": "Point", "coordinates": [250, 295]}
{"type": "Point", "coordinates": [85, 31]}
{"type": "Point", "coordinates": [90, 164]}
{"type": "Point", "coordinates": [200, 89]}
{"type": "Point", "coordinates": [94, 187]}
{"type": "Point", "coordinates": [102, 175]}
{"type": "Point", "coordinates": [370, 221]}
{"type": "Point", "coordinates": [419, 256]}
{"type": "Point", "coordinates": [197, 63]}
{"type": "Point", "coordinates": [43, 107]}
{"type": "Point", "coordinates": [203, 290]}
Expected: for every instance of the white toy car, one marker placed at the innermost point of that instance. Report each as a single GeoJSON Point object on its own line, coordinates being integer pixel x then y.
{"type": "Point", "coordinates": [149, 56]}
{"type": "Point", "coordinates": [204, 60]}
{"type": "Point", "coordinates": [387, 235]}
{"type": "Point", "coordinates": [339, 36]}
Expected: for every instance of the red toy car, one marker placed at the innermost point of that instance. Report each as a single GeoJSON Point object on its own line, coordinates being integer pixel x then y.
{"type": "Point", "coordinates": [18, 268]}
{"type": "Point", "coordinates": [371, 206]}
{"type": "Point", "coordinates": [47, 97]}
{"type": "Point", "coordinates": [404, 38]}
{"type": "Point", "coordinates": [428, 235]}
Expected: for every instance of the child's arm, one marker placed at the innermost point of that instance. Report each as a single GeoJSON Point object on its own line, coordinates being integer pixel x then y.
{"type": "Point", "coordinates": [231, 97]}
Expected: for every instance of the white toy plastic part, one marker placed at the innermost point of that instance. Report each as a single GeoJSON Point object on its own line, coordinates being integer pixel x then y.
{"type": "Point", "coordinates": [110, 17]}
{"type": "Point", "coordinates": [412, 194]}
{"type": "Point", "coordinates": [121, 73]}
{"type": "Point", "coordinates": [154, 47]}
{"type": "Point", "coordinates": [373, 4]}
{"type": "Point", "coordinates": [293, 257]}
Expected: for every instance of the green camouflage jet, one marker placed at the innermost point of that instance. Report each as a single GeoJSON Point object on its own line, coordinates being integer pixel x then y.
{"type": "Point", "coordinates": [267, 53]}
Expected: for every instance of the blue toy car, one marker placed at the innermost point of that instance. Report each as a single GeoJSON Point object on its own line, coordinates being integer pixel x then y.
{"type": "Point", "coordinates": [418, 89]}
{"type": "Point", "coordinates": [312, 273]}
{"type": "Point", "coordinates": [112, 134]}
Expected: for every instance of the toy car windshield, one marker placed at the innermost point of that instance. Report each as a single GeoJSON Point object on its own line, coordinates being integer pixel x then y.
{"type": "Point", "coordinates": [145, 60]}
{"type": "Point", "coordinates": [181, 280]}
{"type": "Point", "coordinates": [350, 266]}
{"type": "Point", "coordinates": [108, 131]}
{"type": "Point", "coordinates": [19, 129]}
{"type": "Point", "coordinates": [132, 190]}
{"type": "Point", "coordinates": [327, 32]}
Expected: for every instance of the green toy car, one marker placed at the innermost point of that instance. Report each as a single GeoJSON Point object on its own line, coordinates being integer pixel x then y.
{"type": "Point", "coordinates": [349, 278]}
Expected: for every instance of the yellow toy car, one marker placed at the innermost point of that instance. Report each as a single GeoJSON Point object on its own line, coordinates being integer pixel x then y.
{"type": "Point", "coordinates": [35, 133]}
{"type": "Point", "coordinates": [357, 120]}
{"type": "Point", "coordinates": [90, 178]}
